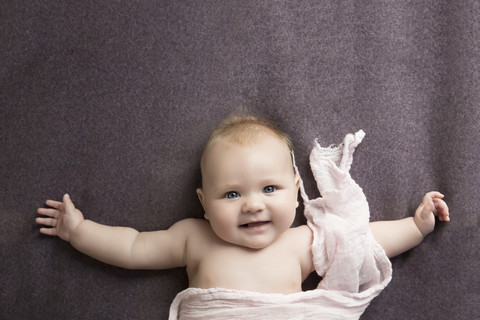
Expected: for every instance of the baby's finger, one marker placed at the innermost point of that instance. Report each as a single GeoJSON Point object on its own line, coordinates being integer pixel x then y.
{"type": "Point", "coordinates": [47, 221]}
{"type": "Point", "coordinates": [440, 204]}
{"type": "Point", "coordinates": [49, 231]}
{"type": "Point", "coordinates": [441, 210]}
{"type": "Point", "coordinates": [434, 195]}
{"type": "Point", "coordinates": [69, 206]}
{"type": "Point", "coordinates": [48, 212]}
{"type": "Point", "coordinates": [427, 204]}
{"type": "Point", "coordinates": [54, 204]}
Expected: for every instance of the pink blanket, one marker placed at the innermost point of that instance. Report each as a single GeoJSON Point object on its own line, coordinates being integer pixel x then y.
{"type": "Point", "coordinates": [352, 264]}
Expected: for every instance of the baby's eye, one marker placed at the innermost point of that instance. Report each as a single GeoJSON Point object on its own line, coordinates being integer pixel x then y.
{"type": "Point", "coordinates": [269, 189]}
{"type": "Point", "coordinates": [232, 195]}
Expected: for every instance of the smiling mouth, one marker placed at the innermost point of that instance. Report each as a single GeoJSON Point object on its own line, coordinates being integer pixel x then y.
{"type": "Point", "coordinates": [254, 224]}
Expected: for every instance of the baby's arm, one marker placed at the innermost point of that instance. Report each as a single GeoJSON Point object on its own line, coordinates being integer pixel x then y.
{"type": "Point", "coordinates": [399, 236]}
{"type": "Point", "coordinates": [119, 246]}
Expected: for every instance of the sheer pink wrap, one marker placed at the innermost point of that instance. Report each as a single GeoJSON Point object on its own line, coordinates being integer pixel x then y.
{"type": "Point", "coordinates": [354, 267]}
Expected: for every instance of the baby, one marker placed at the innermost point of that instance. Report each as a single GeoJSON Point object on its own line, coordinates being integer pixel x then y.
{"type": "Point", "coordinates": [246, 242]}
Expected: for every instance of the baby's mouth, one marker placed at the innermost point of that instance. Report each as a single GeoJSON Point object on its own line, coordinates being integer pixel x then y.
{"type": "Point", "coordinates": [254, 224]}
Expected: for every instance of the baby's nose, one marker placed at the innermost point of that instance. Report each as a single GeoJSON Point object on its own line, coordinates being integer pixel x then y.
{"type": "Point", "coordinates": [253, 204]}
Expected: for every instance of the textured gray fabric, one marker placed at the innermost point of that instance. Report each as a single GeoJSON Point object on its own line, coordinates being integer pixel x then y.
{"type": "Point", "coordinates": [113, 101]}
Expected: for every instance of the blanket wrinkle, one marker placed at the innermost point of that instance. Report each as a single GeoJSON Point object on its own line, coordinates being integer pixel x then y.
{"type": "Point", "coordinates": [353, 266]}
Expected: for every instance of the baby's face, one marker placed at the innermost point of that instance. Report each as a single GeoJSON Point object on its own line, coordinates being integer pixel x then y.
{"type": "Point", "coordinates": [249, 192]}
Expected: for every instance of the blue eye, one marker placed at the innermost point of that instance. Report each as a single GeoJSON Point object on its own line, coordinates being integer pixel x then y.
{"type": "Point", "coordinates": [232, 195]}
{"type": "Point", "coordinates": [269, 189]}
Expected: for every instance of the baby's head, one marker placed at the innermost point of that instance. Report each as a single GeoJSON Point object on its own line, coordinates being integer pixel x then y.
{"type": "Point", "coordinates": [245, 130]}
{"type": "Point", "coordinates": [249, 187]}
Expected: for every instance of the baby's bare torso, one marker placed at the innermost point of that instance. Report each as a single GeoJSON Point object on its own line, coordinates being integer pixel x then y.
{"type": "Point", "coordinates": [279, 268]}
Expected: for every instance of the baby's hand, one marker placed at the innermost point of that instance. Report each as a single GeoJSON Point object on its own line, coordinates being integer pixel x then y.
{"type": "Point", "coordinates": [431, 206]}
{"type": "Point", "coordinates": [63, 218]}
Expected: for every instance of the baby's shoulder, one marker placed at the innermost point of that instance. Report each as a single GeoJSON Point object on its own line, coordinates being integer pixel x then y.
{"type": "Point", "coordinates": [192, 226]}
{"type": "Point", "coordinates": [197, 231]}
{"type": "Point", "coordinates": [301, 234]}
{"type": "Point", "coordinates": [299, 240]}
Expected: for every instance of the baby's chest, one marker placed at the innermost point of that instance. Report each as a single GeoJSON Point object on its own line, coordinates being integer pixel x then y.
{"type": "Point", "coordinates": [247, 270]}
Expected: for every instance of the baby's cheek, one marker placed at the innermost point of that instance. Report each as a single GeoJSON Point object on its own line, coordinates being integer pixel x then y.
{"type": "Point", "coordinates": [222, 224]}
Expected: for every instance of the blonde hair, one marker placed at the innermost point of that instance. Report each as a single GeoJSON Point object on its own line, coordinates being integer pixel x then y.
{"type": "Point", "coordinates": [245, 130]}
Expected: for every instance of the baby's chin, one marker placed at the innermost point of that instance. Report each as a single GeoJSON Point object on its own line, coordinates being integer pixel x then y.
{"type": "Point", "coordinates": [255, 245]}
{"type": "Point", "coordinates": [256, 240]}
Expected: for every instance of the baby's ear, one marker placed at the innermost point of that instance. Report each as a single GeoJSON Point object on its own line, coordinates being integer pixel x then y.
{"type": "Point", "coordinates": [297, 184]}
{"type": "Point", "coordinates": [201, 197]}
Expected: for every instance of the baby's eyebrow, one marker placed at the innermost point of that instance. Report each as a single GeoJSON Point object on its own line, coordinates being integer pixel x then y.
{"type": "Point", "coordinates": [271, 181]}
{"type": "Point", "coordinates": [228, 187]}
